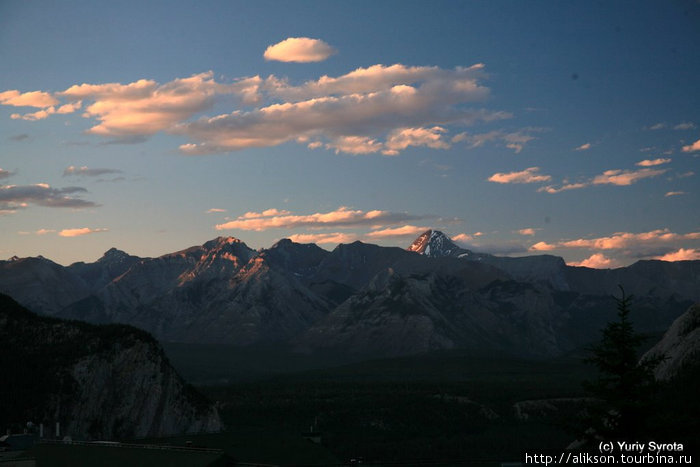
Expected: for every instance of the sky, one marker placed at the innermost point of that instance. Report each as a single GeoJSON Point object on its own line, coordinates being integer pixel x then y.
{"type": "Point", "coordinates": [517, 128]}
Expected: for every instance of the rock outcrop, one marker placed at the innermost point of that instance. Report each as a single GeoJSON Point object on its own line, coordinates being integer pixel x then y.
{"type": "Point", "coordinates": [680, 346]}
{"type": "Point", "coordinates": [99, 382]}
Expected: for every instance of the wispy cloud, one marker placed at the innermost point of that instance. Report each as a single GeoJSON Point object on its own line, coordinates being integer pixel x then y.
{"type": "Point", "coordinates": [625, 177]}
{"type": "Point", "coordinates": [300, 50]}
{"type": "Point", "coordinates": [79, 232]}
{"type": "Point", "coordinates": [341, 217]}
{"type": "Point", "coordinates": [653, 162]}
{"type": "Point", "coordinates": [685, 126]}
{"type": "Point", "coordinates": [20, 137]}
{"type": "Point", "coordinates": [5, 173]}
{"type": "Point", "coordinates": [675, 193]}
{"type": "Point", "coordinates": [215, 210]}
{"type": "Point", "coordinates": [88, 172]}
{"type": "Point", "coordinates": [616, 177]}
{"type": "Point", "coordinates": [514, 140]}
{"type": "Point", "coordinates": [529, 175]}
{"type": "Point", "coordinates": [583, 147]}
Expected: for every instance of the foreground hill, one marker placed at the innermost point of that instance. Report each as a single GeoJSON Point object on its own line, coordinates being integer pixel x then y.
{"type": "Point", "coordinates": [358, 299]}
{"type": "Point", "coordinates": [99, 382]}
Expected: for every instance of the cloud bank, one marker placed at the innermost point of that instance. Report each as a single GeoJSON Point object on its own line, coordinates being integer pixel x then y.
{"type": "Point", "coordinates": [378, 109]}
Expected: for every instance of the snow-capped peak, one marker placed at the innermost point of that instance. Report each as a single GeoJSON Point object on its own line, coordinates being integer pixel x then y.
{"type": "Point", "coordinates": [435, 243]}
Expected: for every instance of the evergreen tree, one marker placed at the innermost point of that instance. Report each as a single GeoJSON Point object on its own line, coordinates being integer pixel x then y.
{"type": "Point", "coordinates": [625, 386]}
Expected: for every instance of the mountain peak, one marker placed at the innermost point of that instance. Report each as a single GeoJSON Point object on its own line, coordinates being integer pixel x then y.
{"type": "Point", "coordinates": [435, 243]}
{"type": "Point", "coordinates": [113, 255]}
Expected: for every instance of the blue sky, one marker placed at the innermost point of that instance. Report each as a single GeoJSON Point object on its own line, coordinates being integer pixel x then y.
{"type": "Point", "coordinates": [568, 128]}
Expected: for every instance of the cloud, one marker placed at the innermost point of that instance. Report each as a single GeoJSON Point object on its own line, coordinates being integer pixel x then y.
{"type": "Point", "coordinates": [378, 109]}
{"type": "Point", "coordinates": [658, 126]}
{"type": "Point", "coordinates": [583, 147]}
{"type": "Point", "coordinates": [341, 217]}
{"type": "Point", "coordinates": [565, 187]}
{"type": "Point", "coordinates": [675, 193]}
{"type": "Point", "coordinates": [299, 50]}
{"type": "Point", "coordinates": [612, 177]}
{"type": "Point", "coordinates": [692, 147]}
{"type": "Point", "coordinates": [5, 173]}
{"type": "Point", "coordinates": [652, 162]}
{"type": "Point", "coordinates": [44, 113]}
{"type": "Point", "coordinates": [28, 99]}
{"type": "Point", "coordinates": [404, 231]}
{"type": "Point", "coordinates": [681, 255]}
{"type": "Point", "coordinates": [44, 231]}
{"type": "Point", "coordinates": [543, 246]}
{"type": "Point", "coordinates": [374, 112]}
{"type": "Point", "coordinates": [324, 238]}
{"type": "Point", "coordinates": [620, 240]}
{"type": "Point", "coordinates": [13, 197]}
{"type": "Point", "coordinates": [215, 210]}
{"type": "Point", "coordinates": [513, 140]}
{"type": "Point", "coordinates": [625, 177]}
{"type": "Point", "coordinates": [463, 238]}
{"type": "Point", "coordinates": [20, 137]}
{"type": "Point", "coordinates": [265, 213]}
{"type": "Point", "coordinates": [79, 232]}
{"type": "Point", "coordinates": [685, 126]}
{"type": "Point", "coordinates": [529, 175]}
{"type": "Point", "coordinates": [596, 261]}
{"type": "Point", "coordinates": [527, 231]}
{"type": "Point", "coordinates": [87, 172]}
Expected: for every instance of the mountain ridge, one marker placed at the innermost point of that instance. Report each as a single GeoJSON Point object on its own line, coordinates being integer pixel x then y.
{"type": "Point", "coordinates": [354, 297]}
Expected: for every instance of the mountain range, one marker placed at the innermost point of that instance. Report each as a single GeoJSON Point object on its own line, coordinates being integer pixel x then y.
{"type": "Point", "coordinates": [358, 299]}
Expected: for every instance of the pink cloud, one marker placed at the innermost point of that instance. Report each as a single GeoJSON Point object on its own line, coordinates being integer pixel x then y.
{"type": "Point", "coordinates": [543, 246]}
{"type": "Point", "coordinates": [324, 238]}
{"type": "Point", "coordinates": [378, 109]}
{"type": "Point", "coordinates": [597, 261]}
{"type": "Point", "coordinates": [406, 230]}
{"type": "Point", "coordinates": [583, 147]}
{"type": "Point", "coordinates": [529, 175]}
{"type": "Point", "coordinates": [692, 147]}
{"type": "Point", "coordinates": [28, 99]}
{"type": "Point", "coordinates": [463, 237]}
{"type": "Point", "coordinates": [341, 217]}
{"type": "Point", "coordinates": [682, 254]}
{"type": "Point", "coordinates": [79, 232]}
{"type": "Point", "coordinates": [652, 162]}
{"type": "Point", "coordinates": [621, 240]}
{"type": "Point", "coordinates": [675, 193]}
{"type": "Point", "coordinates": [528, 231]}
{"type": "Point", "coordinates": [300, 50]}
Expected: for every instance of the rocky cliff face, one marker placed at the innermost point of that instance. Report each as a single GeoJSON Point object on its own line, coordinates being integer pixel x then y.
{"type": "Point", "coordinates": [680, 346]}
{"type": "Point", "coordinates": [99, 382]}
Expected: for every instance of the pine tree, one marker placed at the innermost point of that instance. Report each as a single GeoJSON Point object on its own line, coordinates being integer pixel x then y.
{"type": "Point", "coordinates": [625, 386]}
